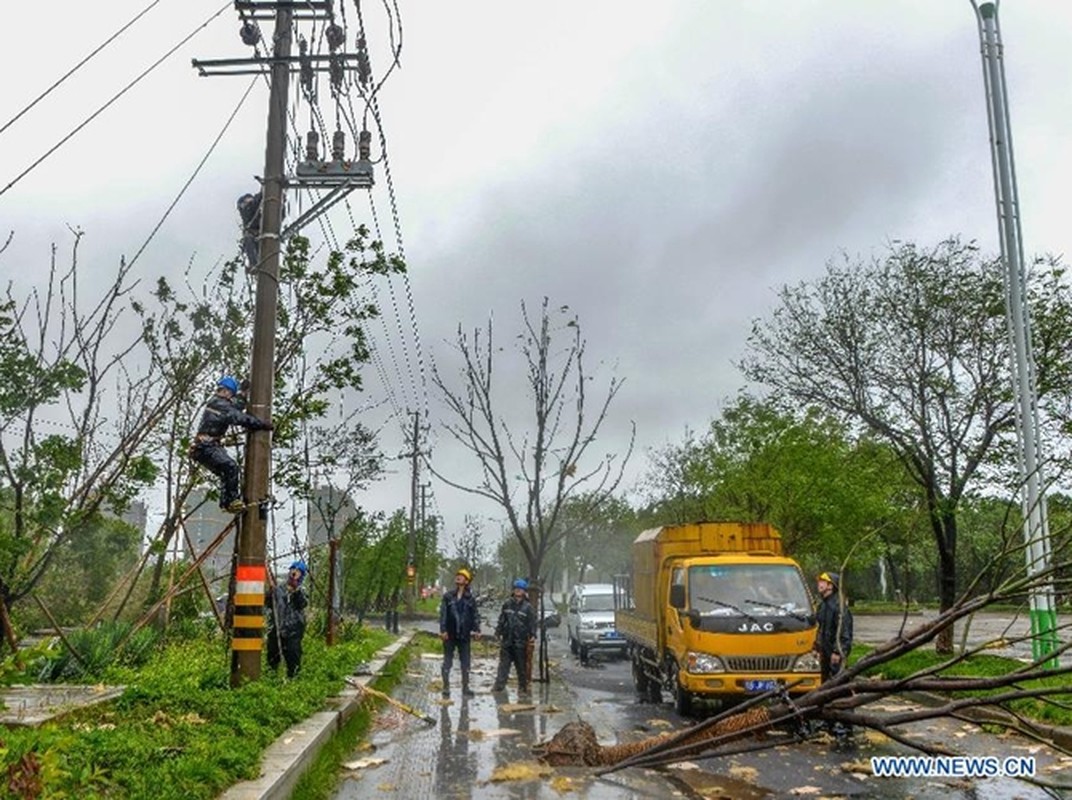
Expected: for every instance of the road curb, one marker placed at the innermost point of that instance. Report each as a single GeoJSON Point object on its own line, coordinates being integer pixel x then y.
{"type": "Point", "coordinates": [287, 758]}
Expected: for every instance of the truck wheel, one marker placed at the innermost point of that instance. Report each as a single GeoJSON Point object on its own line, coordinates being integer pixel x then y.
{"type": "Point", "coordinates": [640, 681]}
{"type": "Point", "coordinates": [682, 698]}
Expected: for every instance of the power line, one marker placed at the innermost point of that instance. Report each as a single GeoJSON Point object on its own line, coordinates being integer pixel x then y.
{"type": "Point", "coordinates": [115, 97]}
{"type": "Point", "coordinates": [186, 185]}
{"type": "Point", "coordinates": [78, 66]}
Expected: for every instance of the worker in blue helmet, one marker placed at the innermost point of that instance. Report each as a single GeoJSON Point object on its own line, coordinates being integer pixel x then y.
{"type": "Point", "coordinates": [286, 604]}
{"type": "Point", "coordinates": [516, 629]}
{"type": "Point", "coordinates": [221, 412]}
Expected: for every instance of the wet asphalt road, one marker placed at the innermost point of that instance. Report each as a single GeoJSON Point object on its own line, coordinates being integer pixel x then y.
{"type": "Point", "coordinates": [458, 756]}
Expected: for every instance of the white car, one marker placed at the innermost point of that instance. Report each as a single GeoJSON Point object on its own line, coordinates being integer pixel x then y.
{"type": "Point", "coordinates": [590, 620]}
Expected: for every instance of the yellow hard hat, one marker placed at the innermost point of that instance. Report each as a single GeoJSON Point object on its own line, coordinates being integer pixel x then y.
{"type": "Point", "coordinates": [465, 574]}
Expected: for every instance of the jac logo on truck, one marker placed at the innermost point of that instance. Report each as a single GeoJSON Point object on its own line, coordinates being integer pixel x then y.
{"type": "Point", "coordinates": [756, 627]}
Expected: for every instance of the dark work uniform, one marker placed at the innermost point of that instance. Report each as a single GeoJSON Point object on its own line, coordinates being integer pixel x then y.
{"type": "Point", "coordinates": [459, 618]}
{"type": "Point", "coordinates": [833, 635]}
{"type": "Point", "coordinates": [286, 627]}
{"type": "Point", "coordinates": [208, 451]}
{"type": "Point", "coordinates": [249, 209]}
{"type": "Point", "coordinates": [831, 638]}
{"type": "Point", "coordinates": [517, 624]}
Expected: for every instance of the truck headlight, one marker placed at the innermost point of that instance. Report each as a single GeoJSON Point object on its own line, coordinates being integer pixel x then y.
{"type": "Point", "coordinates": [809, 662]}
{"type": "Point", "coordinates": [703, 663]}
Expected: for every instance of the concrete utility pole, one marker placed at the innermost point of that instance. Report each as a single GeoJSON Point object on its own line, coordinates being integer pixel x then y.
{"type": "Point", "coordinates": [411, 547]}
{"type": "Point", "coordinates": [248, 632]}
{"type": "Point", "coordinates": [1033, 485]}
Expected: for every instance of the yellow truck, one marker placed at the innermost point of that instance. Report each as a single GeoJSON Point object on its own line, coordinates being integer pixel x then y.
{"type": "Point", "coordinates": [715, 610]}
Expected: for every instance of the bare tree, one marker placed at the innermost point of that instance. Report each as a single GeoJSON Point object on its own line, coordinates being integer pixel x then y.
{"type": "Point", "coordinates": [531, 474]}
{"type": "Point", "coordinates": [66, 455]}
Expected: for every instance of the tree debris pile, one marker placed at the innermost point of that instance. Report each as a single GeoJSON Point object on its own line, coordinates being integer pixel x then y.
{"type": "Point", "coordinates": [576, 744]}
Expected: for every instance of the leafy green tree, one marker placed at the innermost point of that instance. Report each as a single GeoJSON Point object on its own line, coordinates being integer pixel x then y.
{"type": "Point", "coordinates": [913, 348]}
{"type": "Point", "coordinates": [86, 566]}
{"type": "Point", "coordinates": [833, 497]}
{"type": "Point", "coordinates": [195, 335]}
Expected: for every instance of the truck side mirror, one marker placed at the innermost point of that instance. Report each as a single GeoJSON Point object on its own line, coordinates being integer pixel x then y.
{"type": "Point", "coordinates": [694, 618]}
{"type": "Point", "coordinates": [677, 596]}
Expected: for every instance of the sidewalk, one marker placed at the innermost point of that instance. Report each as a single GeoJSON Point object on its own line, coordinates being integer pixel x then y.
{"type": "Point", "coordinates": [476, 741]}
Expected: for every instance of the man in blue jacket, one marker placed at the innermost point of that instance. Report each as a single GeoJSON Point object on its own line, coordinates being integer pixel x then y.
{"type": "Point", "coordinates": [459, 624]}
{"type": "Point", "coordinates": [515, 629]}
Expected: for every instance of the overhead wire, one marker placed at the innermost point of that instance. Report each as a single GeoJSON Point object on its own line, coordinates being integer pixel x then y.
{"type": "Point", "coordinates": [114, 98]}
{"type": "Point", "coordinates": [79, 65]}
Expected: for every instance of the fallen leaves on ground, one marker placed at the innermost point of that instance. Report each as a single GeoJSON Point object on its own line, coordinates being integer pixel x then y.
{"type": "Point", "coordinates": [741, 773]}
{"type": "Point", "coordinates": [659, 723]}
{"type": "Point", "coordinates": [874, 737]}
{"type": "Point", "coordinates": [513, 708]}
{"type": "Point", "coordinates": [803, 790]}
{"type": "Point", "coordinates": [520, 771]}
{"type": "Point", "coordinates": [476, 734]}
{"type": "Point", "coordinates": [364, 763]}
{"type": "Point", "coordinates": [562, 784]}
{"type": "Point", "coordinates": [858, 767]}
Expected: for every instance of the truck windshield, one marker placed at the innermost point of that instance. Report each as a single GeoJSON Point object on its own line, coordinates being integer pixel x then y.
{"type": "Point", "coordinates": [599, 602]}
{"type": "Point", "coordinates": [753, 590]}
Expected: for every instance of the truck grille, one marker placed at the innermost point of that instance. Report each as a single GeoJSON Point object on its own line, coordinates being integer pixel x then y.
{"type": "Point", "coordinates": [759, 663]}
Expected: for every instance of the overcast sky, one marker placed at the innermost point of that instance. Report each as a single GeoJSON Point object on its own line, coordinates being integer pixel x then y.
{"type": "Point", "coordinates": [661, 168]}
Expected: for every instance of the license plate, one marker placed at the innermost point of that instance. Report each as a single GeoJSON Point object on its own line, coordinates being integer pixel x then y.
{"type": "Point", "coordinates": [611, 635]}
{"type": "Point", "coordinates": [759, 686]}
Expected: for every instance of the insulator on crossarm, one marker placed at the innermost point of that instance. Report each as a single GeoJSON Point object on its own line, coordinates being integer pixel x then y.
{"type": "Point", "coordinates": [364, 69]}
{"type": "Point", "coordinates": [250, 34]}
{"type": "Point", "coordinates": [312, 146]}
{"type": "Point", "coordinates": [336, 36]}
{"type": "Point", "coordinates": [338, 145]}
{"type": "Point", "coordinates": [364, 146]}
{"type": "Point", "coordinates": [335, 70]}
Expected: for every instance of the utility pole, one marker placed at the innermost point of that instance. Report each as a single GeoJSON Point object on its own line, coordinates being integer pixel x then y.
{"type": "Point", "coordinates": [341, 176]}
{"type": "Point", "coordinates": [411, 548]}
{"type": "Point", "coordinates": [333, 588]}
{"type": "Point", "coordinates": [1033, 486]}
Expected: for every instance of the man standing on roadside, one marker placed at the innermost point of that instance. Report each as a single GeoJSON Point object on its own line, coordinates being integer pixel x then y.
{"type": "Point", "coordinates": [833, 634]}
{"type": "Point", "coordinates": [459, 624]}
{"type": "Point", "coordinates": [515, 629]}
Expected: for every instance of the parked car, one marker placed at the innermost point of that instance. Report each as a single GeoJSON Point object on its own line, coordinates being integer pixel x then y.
{"type": "Point", "coordinates": [590, 620]}
{"type": "Point", "coordinates": [551, 617]}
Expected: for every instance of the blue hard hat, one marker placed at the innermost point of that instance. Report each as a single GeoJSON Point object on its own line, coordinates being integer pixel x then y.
{"type": "Point", "coordinates": [521, 583]}
{"type": "Point", "coordinates": [300, 566]}
{"type": "Point", "coordinates": [228, 383]}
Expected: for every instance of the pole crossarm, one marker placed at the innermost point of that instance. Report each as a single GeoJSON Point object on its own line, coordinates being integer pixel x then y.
{"type": "Point", "coordinates": [255, 65]}
{"type": "Point", "coordinates": [339, 192]}
{"type": "Point", "coordinates": [299, 9]}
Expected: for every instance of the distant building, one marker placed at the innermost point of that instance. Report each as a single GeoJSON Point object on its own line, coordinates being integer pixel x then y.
{"type": "Point", "coordinates": [136, 517]}
{"type": "Point", "coordinates": [329, 510]}
{"type": "Point", "coordinates": [204, 525]}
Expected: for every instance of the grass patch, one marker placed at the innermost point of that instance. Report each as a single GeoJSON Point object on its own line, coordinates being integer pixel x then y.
{"type": "Point", "coordinates": [178, 731]}
{"type": "Point", "coordinates": [1055, 710]}
{"type": "Point", "coordinates": [322, 777]}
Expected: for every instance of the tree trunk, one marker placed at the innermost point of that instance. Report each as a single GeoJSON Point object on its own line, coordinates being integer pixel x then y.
{"type": "Point", "coordinates": [946, 533]}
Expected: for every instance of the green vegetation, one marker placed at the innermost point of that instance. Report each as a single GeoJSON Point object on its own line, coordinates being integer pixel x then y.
{"type": "Point", "coordinates": [1056, 710]}
{"type": "Point", "coordinates": [178, 731]}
